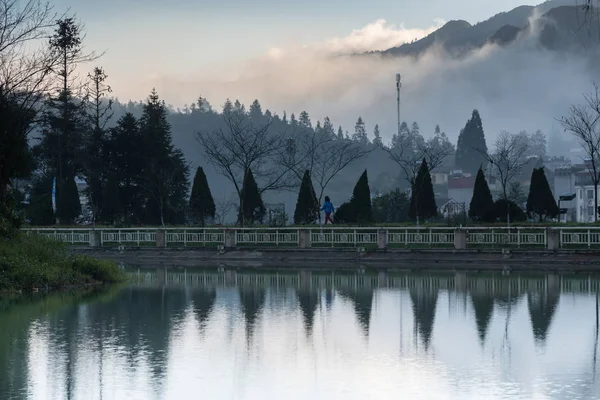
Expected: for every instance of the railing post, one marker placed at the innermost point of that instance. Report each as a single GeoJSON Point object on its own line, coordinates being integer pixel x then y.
{"type": "Point", "coordinates": [95, 238]}
{"type": "Point", "coordinates": [230, 238]}
{"type": "Point", "coordinates": [382, 236]}
{"type": "Point", "coordinates": [460, 239]}
{"type": "Point", "coordinates": [161, 238]}
{"type": "Point", "coordinates": [553, 241]}
{"type": "Point", "coordinates": [304, 238]}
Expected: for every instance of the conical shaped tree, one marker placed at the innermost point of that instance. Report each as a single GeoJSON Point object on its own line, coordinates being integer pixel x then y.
{"type": "Point", "coordinates": [361, 200]}
{"type": "Point", "coordinates": [482, 203]}
{"type": "Point", "coordinates": [252, 208]}
{"type": "Point", "coordinates": [307, 208]}
{"type": "Point", "coordinates": [202, 204]}
{"type": "Point", "coordinates": [471, 145]}
{"type": "Point", "coordinates": [540, 201]}
{"type": "Point", "coordinates": [422, 200]}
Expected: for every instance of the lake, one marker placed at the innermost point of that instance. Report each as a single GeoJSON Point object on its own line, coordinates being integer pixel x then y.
{"type": "Point", "coordinates": [183, 334]}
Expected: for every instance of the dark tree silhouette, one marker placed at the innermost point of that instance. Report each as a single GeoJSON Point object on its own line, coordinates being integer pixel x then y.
{"type": "Point", "coordinates": [424, 302]}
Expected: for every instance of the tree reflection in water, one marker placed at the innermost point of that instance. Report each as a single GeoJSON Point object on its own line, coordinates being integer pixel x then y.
{"type": "Point", "coordinates": [140, 322]}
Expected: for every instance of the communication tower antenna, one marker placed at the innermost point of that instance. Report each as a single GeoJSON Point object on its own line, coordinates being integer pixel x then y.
{"type": "Point", "coordinates": [398, 86]}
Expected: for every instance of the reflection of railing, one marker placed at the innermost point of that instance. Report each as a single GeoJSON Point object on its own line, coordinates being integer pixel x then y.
{"type": "Point", "coordinates": [459, 282]}
{"type": "Point", "coordinates": [306, 237]}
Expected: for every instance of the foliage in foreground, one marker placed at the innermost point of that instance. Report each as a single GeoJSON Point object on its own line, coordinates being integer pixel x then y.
{"type": "Point", "coordinates": [32, 261]}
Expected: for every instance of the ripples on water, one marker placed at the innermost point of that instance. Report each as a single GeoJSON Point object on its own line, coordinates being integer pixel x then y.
{"type": "Point", "coordinates": [209, 335]}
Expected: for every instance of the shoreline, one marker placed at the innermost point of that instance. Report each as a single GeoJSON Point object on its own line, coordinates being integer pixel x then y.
{"type": "Point", "coordinates": [352, 258]}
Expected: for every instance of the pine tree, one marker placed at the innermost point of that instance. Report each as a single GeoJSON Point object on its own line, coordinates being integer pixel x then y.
{"type": "Point", "coordinates": [202, 205]}
{"type": "Point", "coordinates": [377, 136]}
{"type": "Point", "coordinates": [239, 107]}
{"type": "Point", "coordinates": [100, 112]}
{"type": "Point", "coordinates": [203, 105]}
{"type": "Point", "coordinates": [127, 161]}
{"type": "Point", "coordinates": [415, 129]}
{"type": "Point", "coordinates": [540, 201]}
{"type": "Point", "coordinates": [482, 203]}
{"type": "Point", "coordinates": [293, 121]}
{"type": "Point", "coordinates": [422, 201]}
{"type": "Point", "coordinates": [60, 151]}
{"type": "Point", "coordinates": [328, 129]}
{"type": "Point", "coordinates": [227, 107]}
{"type": "Point", "coordinates": [307, 207]}
{"type": "Point", "coordinates": [340, 133]}
{"type": "Point", "coordinates": [252, 210]}
{"type": "Point", "coordinates": [318, 128]}
{"type": "Point", "coordinates": [361, 200]}
{"type": "Point", "coordinates": [255, 112]}
{"type": "Point", "coordinates": [304, 120]}
{"type": "Point", "coordinates": [164, 176]}
{"type": "Point", "coordinates": [360, 132]}
{"type": "Point", "coordinates": [471, 145]}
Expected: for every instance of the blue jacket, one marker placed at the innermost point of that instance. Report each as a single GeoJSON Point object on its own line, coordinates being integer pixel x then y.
{"type": "Point", "coordinates": [328, 207]}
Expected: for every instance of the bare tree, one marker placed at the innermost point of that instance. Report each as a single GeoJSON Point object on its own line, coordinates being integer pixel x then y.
{"type": "Point", "coordinates": [322, 155]}
{"type": "Point", "coordinates": [409, 154]}
{"type": "Point", "coordinates": [591, 14]}
{"type": "Point", "coordinates": [26, 62]}
{"type": "Point", "coordinates": [223, 206]}
{"type": "Point", "coordinates": [507, 160]}
{"type": "Point", "coordinates": [242, 146]}
{"type": "Point", "coordinates": [582, 122]}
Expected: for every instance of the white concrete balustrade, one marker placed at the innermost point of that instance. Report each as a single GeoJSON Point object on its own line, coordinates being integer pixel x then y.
{"type": "Point", "coordinates": [552, 238]}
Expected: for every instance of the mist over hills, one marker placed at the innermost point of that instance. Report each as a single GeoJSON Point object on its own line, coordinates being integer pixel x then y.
{"type": "Point", "coordinates": [522, 69]}
{"type": "Point", "coordinates": [560, 20]}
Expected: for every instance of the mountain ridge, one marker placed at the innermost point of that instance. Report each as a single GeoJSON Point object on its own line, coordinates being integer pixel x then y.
{"type": "Point", "coordinates": [559, 18]}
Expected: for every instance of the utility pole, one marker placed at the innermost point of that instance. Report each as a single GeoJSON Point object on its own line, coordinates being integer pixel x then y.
{"type": "Point", "coordinates": [398, 86]}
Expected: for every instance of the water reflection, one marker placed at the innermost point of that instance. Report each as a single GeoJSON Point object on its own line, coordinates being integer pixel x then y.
{"type": "Point", "coordinates": [301, 335]}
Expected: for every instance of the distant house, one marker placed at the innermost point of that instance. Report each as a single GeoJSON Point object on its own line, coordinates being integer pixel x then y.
{"type": "Point", "coordinates": [460, 189]}
{"type": "Point", "coordinates": [451, 208]}
{"type": "Point", "coordinates": [585, 196]}
{"type": "Point", "coordinates": [565, 177]}
{"type": "Point", "coordinates": [439, 176]}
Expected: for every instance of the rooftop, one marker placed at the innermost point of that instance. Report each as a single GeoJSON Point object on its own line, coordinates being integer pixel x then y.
{"type": "Point", "coordinates": [461, 183]}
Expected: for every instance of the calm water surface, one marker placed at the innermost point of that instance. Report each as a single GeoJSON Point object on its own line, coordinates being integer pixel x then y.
{"type": "Point", "coordinates": [209, 335]}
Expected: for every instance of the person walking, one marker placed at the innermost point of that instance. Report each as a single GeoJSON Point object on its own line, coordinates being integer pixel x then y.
{"type": "Point", "coordinates": [329, 209]}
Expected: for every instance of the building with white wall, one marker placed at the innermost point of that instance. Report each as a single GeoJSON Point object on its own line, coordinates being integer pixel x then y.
{"type": "Point", "coordinates": [585, 197]}
{"type": "Point", "coordinates": [460, 190]}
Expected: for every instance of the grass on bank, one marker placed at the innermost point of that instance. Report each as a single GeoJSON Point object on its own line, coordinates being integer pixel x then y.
{"type": "Point", "coordinates": [30, 262]}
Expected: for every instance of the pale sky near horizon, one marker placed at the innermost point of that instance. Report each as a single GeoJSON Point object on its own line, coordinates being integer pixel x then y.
{"type": "Point", "coordinates": [151, 38]}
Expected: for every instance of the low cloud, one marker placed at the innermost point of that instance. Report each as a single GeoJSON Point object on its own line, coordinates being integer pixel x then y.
{"type": "Point", "coordinates": [378, 35]}
{"type": "Point", "coordinates": [519, 87]}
